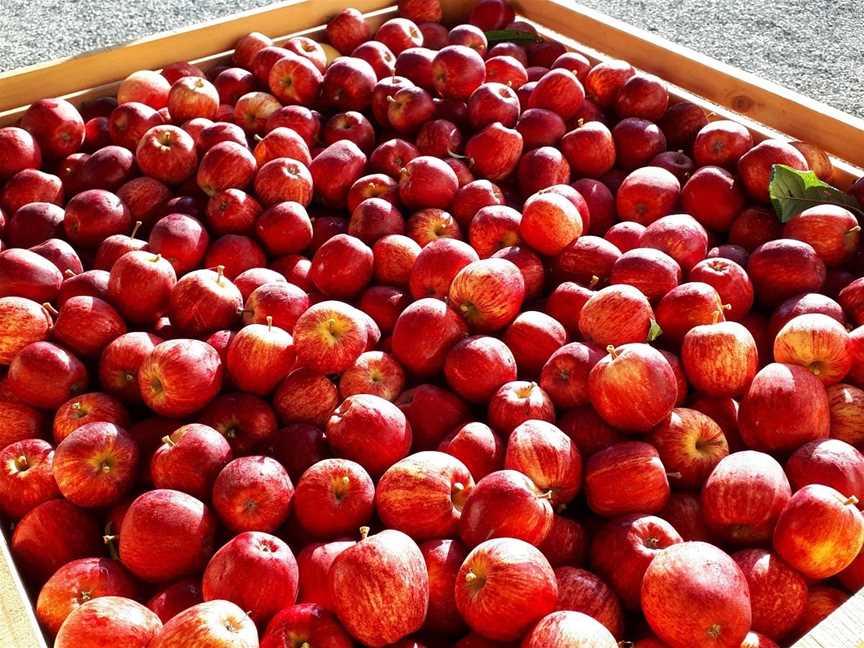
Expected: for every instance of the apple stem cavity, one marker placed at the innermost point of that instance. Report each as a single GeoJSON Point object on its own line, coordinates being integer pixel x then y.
{"type": "Point", "coordinates": [21, 463]}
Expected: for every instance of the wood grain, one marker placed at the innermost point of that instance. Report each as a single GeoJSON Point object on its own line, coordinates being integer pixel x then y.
{"type": "Point", "coordinates": [18, 625]}
{"type": "Point", "coordinates": [842, 629]}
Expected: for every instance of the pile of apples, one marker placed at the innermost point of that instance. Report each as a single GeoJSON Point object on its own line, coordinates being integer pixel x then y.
{"type": "Point", "coordinates": [415, 339]}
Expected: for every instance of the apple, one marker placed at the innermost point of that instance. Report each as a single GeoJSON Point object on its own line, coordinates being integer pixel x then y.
{"type": "Point", "coordinates": [140, 284]}
{"type": "Point", "coordinates": [504, 587]}
{"type": "Point", "coordinates": [533, 337]}
{"type": "Point", "coordinates": [19, 421]}
{"type": "Point", "coordinates": [128, 123]}
{"type": "Point", "coordinates": [506, 503]}
{"type": "Point", "coordinates": [166, 153]}
{"type": "Point", "coordinates": [609, 493]}
{"type": "Point", "coordinates": [78, 582]}
{"type": "Point", "coordinates": [617, 314]}
{"type": "Point", "coordinates": [284, 228]}
{"type": "Point", "coordinates": [391, 564]}
{"type": "Point", "coordinates": [457, 71]}
{"type": "Point", "coordinates": [380, 57]}
{"type": "Point", "coordinates": [247, 421]}
{"type": "Point", "coordinates": [753, 227]}
{"type": "Point", "coordinates": [475, 445]}
{"type": "Point", "coordinates": [494, 227]}
{"type": "Point", "coordinates": [253, 493]}
{"type": "Point", "coordinates": [713, 196]}
{"type": "Point", "coordinates": [680, 236]}
{"type": "Point", "coordinates": [803, 304]}
{"type": "Point", "coordinates": [172, 599]}
{"type": "Point", "coordinates": [308, 623]}
{"type": "Point", "coordinates": [181, 239]}
{"type": "Point", "coordinates": [493, 102]}
{"type": "Point", "coordinates": [27, 478]}
{"type": "Point", "coordinates": [589, 148]}
{"type": "Point", "coordinates": [297, 447]}
{"type": "Point", "coordinates": [96, 464]}
{"type": "Point", "coordinates": [227, 165]}
{"type": "Point", "coordinates": [754, 166]}
{"type": "Point", "coordinates": [783, 268]}
{"type": "Point", "coordinates": [314, 562]}
{"type": "Point", "coordinates": [374, 372]}
{"type": "Point", "coordinates": [374, 185]}
{"type": "Point", "coordinates": [730, 281]}
{"type": "Point", "coordinates": [398, 34]}
{"type": "Point", "coordinates": [255, 570]}
{"type": "Point", "coordinates": [694, 590]}
{"type": "Point", "coordinates": [443, 559]}
{"type": "Point", "coordinates": [334, 497]}
{"type": "Point", "coordinates": [802, 399]}
{"type": "Point", "coordinates": [254, 110]}
{"type": "Point", "coordinates": [305, 396]}
{"type": "Point", "coordinates": [216, 623]}
{"type": "Point", "coordinates": [625, 235]}
{"type": "Point", "coordinates": [487, 293]}
{"type": "Point", "coordinates": [373, 219]}
{"type": "Point", "coordinates": [494, 151]}
{"type": "Point", "coordinates": [636, 142]}
{"type": "Point", "coordinates": [108, 619]}
{"type": "Point", "coordinates": [329, 337]}
{"type": "Point", "coordinates": [259, 357]}
{"type": "Point", "coordinates": [581, 591]}
{"type": "Point", "coordinates": [542, 168]}
{"type": "Point", "coordinates": [22, 322]}
{"type": "Point", "coordinates": [720, 359]}
{"type": "Point", "coordinates": [118, 371]}
{"type": "Point", "coordinates": [180, 377]}
{"type": "Point", "coordinates": [350, 426]}
{"type": "Point", "coordinates": [546, 455]}
{"type": "Point", "coordinates": [549, 223]}
{"type": "Point", "coordinates": [653, 272]}
{"type": "Point", "coordinates": [279, 300]}
{"type": "Point", "coordinates": [644, 96]}
{"type": "Point", "coordinates": [743, 497]}
{"type": "Point", "coordinates": [690, 445]}
{"type": "Point", "coordinates": [171, 465]}
{"type": "Point", "coordinates": [94, 215]}
{"type": "Point", "coordinates": [56, 125]}
{"type": "Point", "coordinates": [721, 143]}
{"type": "Point", "coordinates": [816, 342]}
{"type": "Point", "coordinates": [394, 258]}
{"type": "Point", "coordinates": [633, 387]}
{"type": "Point", "coordinates": [34, 223]}
{"type": "Point", "coordinates": [45, 375]}
{"type": "Point", "coordinates": [822, 601]}
{"type": "Point", "coordinates": [28, 186]}
{"type": "Point", "coordinates": [346, 30]}
{"type": "Point", "coordinates": [569, 628]}
{"type": "Point", "coordinates": [477, 366]}
{"type": "Point", "coordinates": [20, 151]}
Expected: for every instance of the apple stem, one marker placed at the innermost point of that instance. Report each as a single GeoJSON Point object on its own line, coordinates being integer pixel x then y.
{"type": "Point", "coordinates": [167, 440]}
{"type": "Point", "coordinates": [108, 539]}
{"type": "Point", "coordinates": [715, 319]}
{"type": "Point", "coordinates": [458, 487]}
{"type": "Point", "coordinates": [364, 532]}
{"type": "Point", "coordinates": [241, 311]}
{"type": "Point", "coordinates": [673, 475]}
{"type": "Point", "coordinates": [21, 462]}
{"type": "Point", "coordinates": [851, 500]}
{"type": "Point", "coordinates": [594, 281]}
{"type": "Point", "coordinates": [612, 351]}
{"type": "Point", "coordinates": [305, 644]}
{"type": "Point", "coordinates": [269, 323]}
{"type": "Point", "coordinates": [220, 272]}
{"type": "Point", "coordinates": [547, 495]}
{"type": "Point", "coordinates": [458, 156]}
{"type": "Point", "coordinates": [580, 122]}
{"type": "Point", "coordinates": [53, 312]}
{"type": "Point", "coordinates": [156, 257]}
{"type": "Point", "coordinates": [346, 482]}
{"type": "Point", "coordinates": [68, 273]}
{"type": "Point", "coordinates": [135, 229]}
{"type": "Point", "coordinates": [470, 577]}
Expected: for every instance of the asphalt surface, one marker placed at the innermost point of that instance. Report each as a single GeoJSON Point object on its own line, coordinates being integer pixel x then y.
{"type": "Point", "coordinates": [813, 46]}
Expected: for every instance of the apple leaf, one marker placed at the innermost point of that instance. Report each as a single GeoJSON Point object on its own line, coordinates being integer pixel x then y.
{"type": "Point", "coordinates": [793, 191]}
{"type": "Point", "coordinates": [511, 36]}
{"type": "Point", "coordinates": [654, 331]}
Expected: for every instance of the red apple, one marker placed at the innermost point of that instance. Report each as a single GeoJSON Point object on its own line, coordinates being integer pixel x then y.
{"type": "Point", "coordinates": [26, 478]}
{"type": "Point", "coordinates": [56, 125]}
{"type": "Point", "coordinates": [391, 565]}
{"type": "Point", "coordinates": [20, 151]}
{"type": "Point", "coordinates": [816, 342]}
{"type": "Point", "coordinates": [280, 300]}
{"type": "Point", "coordinates": [329, 336]}
{"type": "Point", "coordinates": [190, 445]}
{"type": "Point", "coordinates": [254, 110]}
{"type": "Point", "coordinates": [546, 455]}
{"type": "Point", "coordinates": [581, 591]}
{"type": "Point", "coordinates": [475, 445]}
{"type": "Point", "coordinates": [309, 623]}
{"type": "Point", "coordinates": [721, 143]}
{"type": "Point", "coordinates": [713, 197]}
{"type": "Point", "coordinates": [690, 444]}
{"type": "Point", "coordinates": [172, 599]}
{"type": "Point", "coordinates": [108, 619]}
{"type": "Point", "coordinates": [613, 487]}
{"type": "Point", "coordinates": [487, 293]}
{"type": "Point", "coordinates": [457, 71]}
{"type": "Point", "coordinates": [494, 152]}
{"type": "Point", "coordinates": [180, 377]}
{"type": "Point", "coordinates": [118, 368]}
{"type": "Point", "coordinates": [504, 587]}
{"type": "Point", "coordinates": [181, 239]}
{"type": "Point", "coordinates": [305, 396]}
{"type": "Point", "coordinates": [220, 624]}
{"type": "Point", "coordinates": [756, 164]}
{"type": "Point", "coordinates": [22, 322]}
{"type": "Point", "coordinates": [166, 153]}
{"type": "Point", "coordinates": [253, 493]}
{"type": "Point", "coordinates": [743, 497]}
{"type": "Point", "coordinates": [334, 497]}
{"type": "Point", "coordinates": [45, 375]}
{"type": "Point", "coordinates": [346, 30]}
{"type": "Point", "coordinates": [730, 281]}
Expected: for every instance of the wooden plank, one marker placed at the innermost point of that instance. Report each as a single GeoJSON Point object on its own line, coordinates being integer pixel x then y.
{"type": "Point", "coordinates": [18, 625]}
{"type": "Point", "coordinates": [844, 172]}
{"type": "Point", "coordinates": [759, 99]}
{"type": "Point", "coordinates": [67, 75]}
{"type": "Point", "coordinates": [844, 628]}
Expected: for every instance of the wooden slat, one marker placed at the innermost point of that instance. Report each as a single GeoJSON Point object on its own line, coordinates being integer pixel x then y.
{"type": "Point", "coordinates": [766, 102]}
{"type": "Point", "coordinates": [66, 75]}
{"type": "Point", "coordinates": [844, 628]}
{"type": "Point", "coordinates": [18, 625]}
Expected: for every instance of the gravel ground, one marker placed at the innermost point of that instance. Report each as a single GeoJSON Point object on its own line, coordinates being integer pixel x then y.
{"type": "Point", "coordinates": [813, 46]}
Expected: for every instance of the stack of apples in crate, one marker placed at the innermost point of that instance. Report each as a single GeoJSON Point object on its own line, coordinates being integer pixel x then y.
{"type": "Point", "coordinates": [455, 339]}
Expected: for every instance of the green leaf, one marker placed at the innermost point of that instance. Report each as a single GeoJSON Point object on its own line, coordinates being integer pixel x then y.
{"type": "Point", "coordinates": [512, 36]}
{"type": "Point", "coordinates": [793, 191]}
{"type": "Point", "coordinates": [655, 331]}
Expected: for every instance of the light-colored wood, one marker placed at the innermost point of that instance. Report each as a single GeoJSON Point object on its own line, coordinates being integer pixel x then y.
{"type": "Point", "coordinates": [63, 76]}
{"type": "Point", "coordinates": [844, 172]}
{"type": "Point", "coordinates": [744, 93]}
{"type": "Point", "coordinates": [844, 628]}
{"type": "Point", "coordinates": [18, 625]}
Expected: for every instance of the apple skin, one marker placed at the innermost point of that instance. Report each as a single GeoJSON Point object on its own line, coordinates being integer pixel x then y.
{"type": "Point", "coordinates": [56, 125]}
{"type": "Point", "coordinates": [227, 165]}
{"type": "Point", "coordinates": [359, 416]}
{"type": "Point", "coordinates": [505, 503]}
{"type": "Point", "coordinates": [831, 230]}
{"type": "Point", "coordinates": [714, 197]}
{"type": "Point", "coordinates": [190, 445]}
{"type": "Point", "coordinates": [346, 30]}
{"type": "Point", "coordinates": [637, 141]}
{"type": "Point", "coordinates": [45, 375]}
{"type": "Point", "coordinates": [616, 315]}
{"type": "Point", "coordinates": [804, 304]}
{"type": "Point", "coordinates": [494, 151]}
{"type": "Point", "coordinates": [253, 493]}
{"type": "Point", "coordinates": [644, 96]}
{"type": "Point", "coordinates": [347, 84]}
{"type": "Point", "coordinates": [533, 337]}
{"type": "Point", "coordinates": [443, 559]}
{"type": "Point", "coordinates": [257, 571]}
{"type": "Point", "coordinates": [721, 143]}
{"type": "Point", "coordinates": [610, 484]}
{"type": "Point", "coordinates": [457, 71]}
{"type": "Point", "coordinates": [653, 272]}
{"type": "Point", "coordinates": [334, 497]}
{"type": "Point", "coordinates": [437, 324]}
{"type": "Point", "coordinates": [391, 565]}
{"type": "Point", "coordinates": [90, 282]}
{"type": "Point", "coordinates": [375, 372]}
{"type": "Point", "coordinates": [33, 223]}
{"type": "Point", "coordinates": [329, 337]}
{"type": "Point", "coordinates": [96, 464]}
{"type": "Point", "coordinates": [86, 325]}
{"type": "Point", "coordinates": [305, 622]}
{"type": "Point", "coordinates": [476, 446]}
{"type": "Point", "coordinates": [505, 586]}
{"type": "Point", "coordinates": [565, 543]}
{"type": "Point", "coordinates": [754, 166]}
{"type": "Point", "coordinates": [182, 240]}
{"type": "Point", "coordinates": [423, 495]}
{"type": "Point", "coordinates": [819, 532]}
{"type": "Point", "coordinates": [488, 293]}
{"type": "Point", "coordinates": [259, 357]}
{"type": "Point", "coordinates": [720, 359]}
{"type": "Point", "coordinates": [569, 629]}
{"type": "Point", "coordinates": [478, 366]}
{"type": "Point", "coordinates": [427, 182]}
{"type": "Point", "coordinates": [26, 477]}
{"type": "Point", "coordinates": [582, 591]}
{"type": "Point", "coordinates": [686, 306]}
{"type": "Point", "coordinates": [120, 362]}
{"type": "Point", "coordinates": [284, 179]}
{"type": "Point", "coordinates": [799, 396]}
{"type": "Point", "coordinates": [167, 154]}
{"type": "Point", "coordinates": [342, 267]}
{"type": "Point", "coordinates": [214, 624]}
{"type": "Point", "coordinates": [778, 594]}
{"type": "Point", "coordinates": [647, 194]}
{"type": "Point", "coordinates": [282, 301]}
{"type": "Point", "coordinates": [166, 535]}
{"type": "Point", "coordinates": [108, 619]}
{"type": "Point", "coordinates": [20, 151]}
{"type": "Point", "coordinates": [172, 599]}
{"type": "Point", "coordinates": [830, 462]}
{"type": "Point", "coordinates": [294, 79]}
{"type": "Point", "coordinates": [180, 377]}
{"type": "Point", "coordinates": [822, 600]}
{"type": "Point", "coordinates": [730, 281]}
{"type": "Point", "coordinates": [693, 591]}
{"type": "Point", "coordinates": [816, 342]}
{"type": "Point", "coordinates": [743, 497]}
{"type": "Point", "coordinates": [22, 322]}
{"type": "Point", "coordinates": [516, 402]}
{"type": "Point", "coordinates": [618, 387]}
{"type": "Point", "coordinates": [548, 457]}
{"type": "Point", "coordinates": [436, 265]}
{"type": "Point", "coordinates": [314, 562]}
{"type": "Point", "coordinates": [587, 257]}
{"type": "Point", "coordinates": [77, 582]}
{"type": "Point", "coordinates": [305, 396]}
{"type": "Point", "coordinates": [19, 421]}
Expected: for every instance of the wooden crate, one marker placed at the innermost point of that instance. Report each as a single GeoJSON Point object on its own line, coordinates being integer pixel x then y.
{"type": "Point", "coordinates": [765, 108]}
